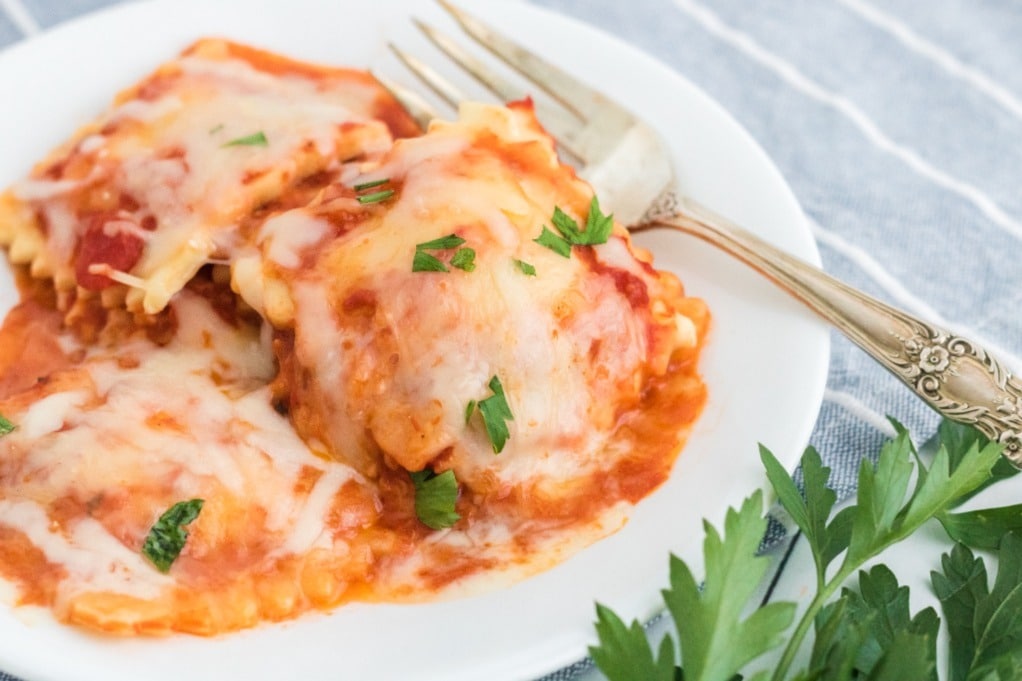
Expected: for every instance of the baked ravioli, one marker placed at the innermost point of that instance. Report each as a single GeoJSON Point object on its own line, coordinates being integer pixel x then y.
{"type": "Point", "coordinates": [138, 200]}
{"type": "Point", "coordinates": [316, 358]}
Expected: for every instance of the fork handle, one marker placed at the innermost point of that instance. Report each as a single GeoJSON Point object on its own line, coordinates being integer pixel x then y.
{"type": "Point", "coordinates": [954, 375]}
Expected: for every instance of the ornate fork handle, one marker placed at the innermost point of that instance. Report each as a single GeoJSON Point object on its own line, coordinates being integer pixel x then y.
{"type": "Point", "coordinates": [954, 375]}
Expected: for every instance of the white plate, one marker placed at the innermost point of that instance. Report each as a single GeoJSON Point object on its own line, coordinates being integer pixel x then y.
{"type": "Point", "coordinates": [766, 362]}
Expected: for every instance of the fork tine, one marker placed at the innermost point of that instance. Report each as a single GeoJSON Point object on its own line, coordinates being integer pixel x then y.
{"type": "Point", "coordinates": [421, 110]}
{"type": "Point", "coordinates": [561, 123]}
{"type": "Point", "coordinates": [556, 82]}
{"type": "Point", "coordinates": [440, 85]}
{"type": "Point", "coordinates": [494, 82]}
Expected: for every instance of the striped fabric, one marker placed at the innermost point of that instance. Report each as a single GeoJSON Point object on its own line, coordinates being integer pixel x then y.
{"type": "Point", "coordinates": [897, 123]}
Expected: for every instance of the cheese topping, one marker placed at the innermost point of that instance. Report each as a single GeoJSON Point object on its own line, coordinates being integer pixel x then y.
{"type": "Point", "coordinates": [396, 355]}
{"type": "Point", "coordinates": [296, 404]}
{"type": "Point", "coordinates": [171, 159]}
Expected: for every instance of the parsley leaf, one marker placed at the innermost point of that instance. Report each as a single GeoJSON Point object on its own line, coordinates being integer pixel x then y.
{"type": "Point", "coordinates": [557, 244]}
{"type": "Point", "coordinates": [598, 225]}
{"type": "Point", "coordinates": [167, 536]}
{"type": "Point", "coordinates": [464, 259]}
{"type": "Point", "coordinates": [424, 262]}
{"type": "Point", "coordinates": [881, 609]}
{"type": "Point", "coordinates": [435, 498]}
{"type": "Point", "coordinates": [525, 267]}
{"type": "Point", "coordinates": [597, 230]}
{"type": "Point", "coordinates": [869, 634]}
{"type": "Point", "coordinates": [566, 225]}
{"type": "Point", "coordinates": [985, 629]}
{"type": "Point", "coordinates": [624, 652]}
{"type": "Point", "coordinates": [256, 139]}
{"type": "Point", "coordinates": [5, 425]}
{"type": "Point", "coordinates": [811, 515]}
{"type": "Point", "coordinates": [983, 528]}
{"type": "Point", "coordinates": [716, 642]}
{"type": "Point", "coordinates": [496, 413]}
{"type": "Point", "coordinates": [442, 244]}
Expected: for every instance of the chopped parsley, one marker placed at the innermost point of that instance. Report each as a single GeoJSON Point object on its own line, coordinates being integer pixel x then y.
{"type": "Point", "coordinates": [5, 425]}
{"type": "Point", "coordinates": [435, 497]}
{"type": "Point", "coordinates": [369, 185]}
{"type": "Point", "coordinates": [463, 258]}
{"type": "Point", "coordinates": [442, 244]}
{"type": "Point", "coordinates": [256, 139]}
{"type": "Point", "coordinates": [525, 267]}
{"type": "Point", "coordinates": [376, 197]}
{"type": "Point", "coordinates": [424, 262]}
{"type": "Point", "coordinates": [167, 537]}
{"type": "Point", "coordinates": [597, 230]}
{"type": "Point", "coordinates": [557, 244]}
{"type": "Point", "coordinates": [496, 413]}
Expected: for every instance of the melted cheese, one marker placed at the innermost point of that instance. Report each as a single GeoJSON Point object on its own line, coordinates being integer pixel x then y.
{"type": "Point", "coordinates": [397, 355]}
{"type": "Point", "coordinates": [166, 160]}
{"type": "Point", "coordinates": [298, 430]}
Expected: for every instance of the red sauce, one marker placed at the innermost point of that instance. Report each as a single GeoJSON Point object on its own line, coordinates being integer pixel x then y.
{"type": "Point", "coordinates": [119, 251]}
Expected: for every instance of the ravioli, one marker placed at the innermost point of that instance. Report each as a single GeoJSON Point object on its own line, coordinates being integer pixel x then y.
{"type": "Point", "coordinates": [138, 200]}
{"type": "Point", "coordinates": [253, 284]}
{"type": "Point", "coordinates": [381, 364]}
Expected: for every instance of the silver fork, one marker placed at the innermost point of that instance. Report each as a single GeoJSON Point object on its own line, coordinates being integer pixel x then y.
{"type": "Point", "coordinates": [954, 375]}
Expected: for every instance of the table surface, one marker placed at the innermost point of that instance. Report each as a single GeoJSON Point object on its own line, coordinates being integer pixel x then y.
{"type": "Point", "coordinates": [899, 127]}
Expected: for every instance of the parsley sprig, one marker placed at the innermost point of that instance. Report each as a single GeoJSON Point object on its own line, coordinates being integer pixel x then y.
{"type": "Point", "coordinates": [597, 230]}
{"type": "Point", "coordinates": [861, 632]}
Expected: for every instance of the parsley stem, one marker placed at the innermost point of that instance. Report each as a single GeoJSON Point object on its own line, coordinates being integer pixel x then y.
{"type": "Point", "coordinates": [823, 595]}
{"type": "Point", "coordinates": [827, 590]}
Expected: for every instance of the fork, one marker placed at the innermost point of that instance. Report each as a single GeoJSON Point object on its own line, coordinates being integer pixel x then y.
{"type": "Point", "coordinates": [954, 375]}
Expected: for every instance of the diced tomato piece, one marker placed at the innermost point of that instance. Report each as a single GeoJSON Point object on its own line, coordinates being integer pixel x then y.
{"type": "Point", "coordinates": [117, 247]}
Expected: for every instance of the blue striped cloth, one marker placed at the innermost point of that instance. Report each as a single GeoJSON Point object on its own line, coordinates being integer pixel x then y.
{"type": "Point", "coordinates": [899, 126]}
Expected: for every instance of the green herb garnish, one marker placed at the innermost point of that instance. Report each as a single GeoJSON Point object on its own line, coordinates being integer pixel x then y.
{"type": "Point", "coordinates": [216, 128]}
{"type": "Point", "coordinates": [256, 139]}
{"type": "Point", "coordinates": [376, 197]}
{"type": "Point", "coordinates": [435, 498]}
{"type": "Point", "coordinates": [557, 244]}
{"type": "Point", "coordinates": [167, 537]}
{"type": "Point", "coordinates": [424, 262]}
{"type": "Point", "coordinates": [983, 622]}
{"type": "Point", "coordinates": [525, 267]}
{"type": "Point", "coordinates": [496, 413]}
{"type": "Point", "coordinates": [442, 244]}
{"type": "Point", "coordinates": [861, 632]}
{"type": "Point", "coordinates": [5, 425]}
{"type": "Point", "coordinates": [371, 184]}
{"type": "Point", "coordinates": [464, 259]}
{"type": "Point", "coordinates": [597, 230]}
